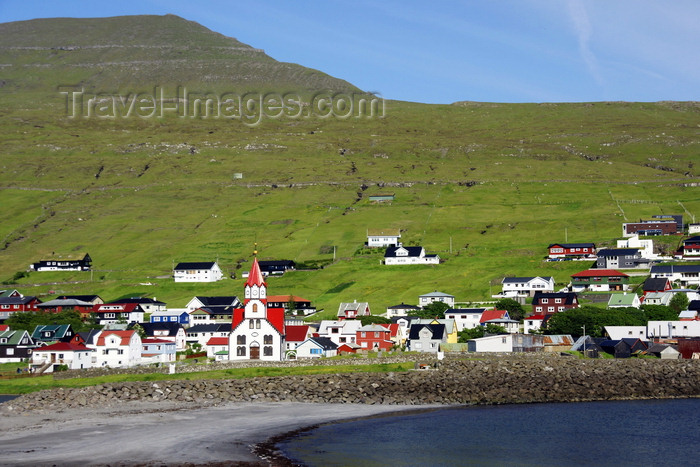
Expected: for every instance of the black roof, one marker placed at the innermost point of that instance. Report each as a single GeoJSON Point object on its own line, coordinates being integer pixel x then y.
{"type": "Point", "coordinates": [694, 305]}
{"type": "Point", "coordinates": [150, 328]}
{"type": "Point", "coordinates": [325, 343]}
{"type": "Point", "coordinates": [438, 330]}
{"type": "Point", "coordinates": [17, 300]}
{"type": "Point", "coordinates": [282, 262]}
{"type": "Point", "coordinates": [403, 306]}
{"type": "Point", "coordinates": [139, 300]}
{"type": "Point", "coordinates": [214, 327]}
{"type": "Point", "coordinates": [82, 298]}
{"type": "Point", "coordinates": [218, 301]}
{"type": "Point", "coordinates": [465, 310]}
{"type": "Point", "coordinates": [680, 268]}
{"type": "Point", "coordinates": [89, 336]}
{"type": "Point", "coordinates": [618, 252]}
{"type": "Point", "coordinates": [195, 265]}
{"type": "Point", "coordinates": [695, 239]}
{"type": "Point", "coordinates": [218, 310]}
{"type": "Point", "coordinates": [412, 251]}
{"type": "Point", "coordinates": [573, 245]}
{"type": "Point", "coordinates": [655, 283]}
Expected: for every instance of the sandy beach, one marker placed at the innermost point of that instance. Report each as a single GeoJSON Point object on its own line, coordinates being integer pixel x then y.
{"type": "Point", "coordinates": [141, 433]}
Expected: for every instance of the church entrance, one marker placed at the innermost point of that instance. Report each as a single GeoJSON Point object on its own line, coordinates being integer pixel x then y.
{"type": "Point", "coordinates": [254, 353]}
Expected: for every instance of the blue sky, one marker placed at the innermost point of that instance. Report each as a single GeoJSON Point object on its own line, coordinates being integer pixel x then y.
{"type": "Point", "coordinates": [446, 51]}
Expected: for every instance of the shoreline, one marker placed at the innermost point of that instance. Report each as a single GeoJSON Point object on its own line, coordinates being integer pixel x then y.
{"type": "Point", "coordinates": [236, 433]}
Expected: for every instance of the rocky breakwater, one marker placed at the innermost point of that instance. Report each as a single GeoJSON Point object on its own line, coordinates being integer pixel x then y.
{"type": "Point", "coordinates": [454, 381]}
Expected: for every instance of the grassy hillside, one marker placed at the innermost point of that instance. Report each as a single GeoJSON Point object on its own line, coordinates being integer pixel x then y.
{"type": "Point", "coordinates": [487, 186]}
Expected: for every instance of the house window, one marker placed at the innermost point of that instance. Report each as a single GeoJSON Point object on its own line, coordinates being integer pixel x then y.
{"type": "Point", "coordinates": [343, 339]}
{"type": "Point", "coordinates": [267, 350]}
{"type": "Point", "coordinates": [419, 345]}
{"type": "Point", "coordinates": [10, 351]}
{"type": "Point", "coordinates": [267, 339]}
{"type": "Point", "coordinates": [550, 308]}
{"type": "Point", "coordinates": [557, 300]}
{"type": "Point", "coordinates": [240, 351]}
{"type": "Point", "coordinates": [376, 334]}
{"type": "Point", "coordinates": [363, 334]}
{"type": "Point", "coordinates": [315, 351]}
{"type": "Point", "coordinates": [503, 340]}
{"type": "Point", "coordinates": [121, 352]}
{"type": "Point", "coordinates": [334, 331]}
{"type": "Point", "coordinates": [240, 340]}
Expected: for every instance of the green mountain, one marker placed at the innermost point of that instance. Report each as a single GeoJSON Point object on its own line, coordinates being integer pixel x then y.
{"type": "Point", "coordinates": [486, 186]}
{"type": "Point", "coordinates": [118, 53]}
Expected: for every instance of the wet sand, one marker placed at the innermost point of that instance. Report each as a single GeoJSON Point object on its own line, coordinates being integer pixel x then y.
{"type": "Point", "coordinates": [140, 433]}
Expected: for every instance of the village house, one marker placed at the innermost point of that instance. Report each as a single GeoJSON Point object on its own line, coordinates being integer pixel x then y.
{"type": "Point", "coordinates": [408, 255]}
{"type": "Point", "coordinates": [17, 304]}
{"type": "Point", "coordinates": [316, 347]}
{"type": "Point", "coordinates": [645, 247]}
{"type": "Point", "coordinates": [465, 318]}
{"type": "Point", "coordinates": [379, 238]}
{"type": "Point", "coordinates": [684, 274]}
{"type": "Point", "coordinates": [622, 258]}
{"type": "Point", "coordinates": [426, 338]}
{"type": "Point", "coordinates": [116, 349]}
{"type": "Point", "coordinates": [672, 329]}
{"type": "Point", "coordinates": [257, 332]}
{"type": "Point", "coordinates": [499, 318]}
{"type": "Point", "coordinates": [148, 305]}
{"type": "Point", "coordinates": [59, 305]}
{"type": "Point", "coordinates": [353, 310]}
{"type": "Point", "coordinates": [156, 350]}
{"type": "Point", "coordinates": [90, 298]}
{"type": "Point", "coordinates": [15, 346]}
{"type": "Point", "coordinates": [64, 263]}
{"type": "Point", "coordinates": [221, 301]}
{"type": "Point", "coordinates": [295, 335]}
{"type": "Point", "coordinates": [276, 267]}
{"type": "Point", "coordinates": [693, 229]}
{"type": "Point", "coordinates": [691, 247]}
{"type": "Point", "coordinates": [340, 331]}
{"type": "Point", "coordinates": [650, 227]}
{"type": "Point", "coordinates": [658, 298]}
{"type": "Point", "coordinates": [217, 348]}
{"type": "Point", "coordinates": [400, 310]}
{"type": "Point", "coordinates": [526, 286]}
{"type": "Point", "coordinates": [624, 332]}
{"type": "Point", "coordinates": [428, 298]}
{"type": "Point", "coordinates": [203, 271]}
{"type": "Point", "coordinates": [111, 313]}
{"type": "Point", "coordinates": [656, 284]}
{"type": "Point", "coordinates": [49, 333]}
{"type": "Point", "coordinates": [495, 343]}
{"type": "Point", "coordinates": [556, 302]}
{"type": "Point", "coordinates": [212, 314]}
{"type": "Point", "coordinates": [451, 330]}
{"type": "Point", "coordinates": [291, 304]}
{"type": "Point", "coordinates": [600, 280]}
{"type": "Point", "coordinates": [374, 337]}
{"type": "Point", "coordinates": [571, 250]}
{"type": "Point", "coordinates": [172, 315]}
{"type": "Point", "coordinates": [201, 333]}
{"type": "Point", "coordinates": [49, 358]}
{"type": "Point", "coordinates": [624, 300]}
{"type": "Point", "coordinates": [172, 332]}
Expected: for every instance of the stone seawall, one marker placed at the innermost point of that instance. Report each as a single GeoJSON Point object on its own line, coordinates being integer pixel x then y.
{"type": "Point", "coordinates": [454, 381]}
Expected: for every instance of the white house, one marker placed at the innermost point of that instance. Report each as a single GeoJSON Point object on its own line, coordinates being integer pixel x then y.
{"type": "Point", "coordinates": [401, 310]}
{"type": "Point", "coordinates": [427, 299]}
{"type": "Point", "coordinates": [515, 286]}
{"type": "Point", "coordinates": [533, 323]}
{"type": "Point", "coordinates": [498, 343]}
{"type": "Point", "coordinates": [201, 333]}
{"type": "Point", "coordinates": [645, 247]}
{"type": "Point", "coordinates": [658, 298]}
{"type": "Point", "coordinates": [74, 356]}
{"type": "Point", "coordinates": [217, 348]}
{"type": "Point", "coordinates": [258, 331]}
{"type": "Point", "coordinates": [671, 329]}
{"type": "Point", "coordinates": [685, 274]}
{"type": "Point", "coordinates": [693, 228]}
{"type": "Point", "coordinates": [340, 331]}
{"type": "Point", "coordinates": [409, 255]}
{"type": "Point", "coordinates": [117, 349]}
{"type": "Point", "coordinates": [624, 300]}
{"type": "Point", "coordinates": [624, 332]}
{"type": "Point", "coordinates": [465, 318]}
{"type": "Point", "coordinates": [206, 271]}
{"type": "Point", "coordinates": [383, 237]}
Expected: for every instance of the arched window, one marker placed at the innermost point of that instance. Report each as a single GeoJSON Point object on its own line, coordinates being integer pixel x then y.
{"type": "Point", "coordinates": [267, 351]}
{"type": "Point", "coordinates": [240, 351]}
{"type": "Point", "coordinates": [257, 324]}
{"type": "Point", "coordinates": [251, 324]}
{"type": "Point", "coordinates": [255, 307]}
{"type": "Point", "coordinates": [267, 339]}
{"type": "Point", "coordinates": [240, 340]}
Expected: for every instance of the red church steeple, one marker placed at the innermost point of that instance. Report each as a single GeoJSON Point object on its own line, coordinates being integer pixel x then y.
{"type": "Point", "coordinates": [255, 286]}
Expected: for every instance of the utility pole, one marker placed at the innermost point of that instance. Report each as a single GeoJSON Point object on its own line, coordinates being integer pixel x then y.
{"type": "Point", "coordinates": [584, 340]}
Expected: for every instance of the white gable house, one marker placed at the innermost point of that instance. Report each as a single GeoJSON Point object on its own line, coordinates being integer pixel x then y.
{"type": "Point", "coordinates": [377, 238]}
{"type": "Point", "coordinates": [515, 286]}
{"type": "Point", "coordinates": [409, 255]}
{"type": "Point", "coordinates": [207, 271]}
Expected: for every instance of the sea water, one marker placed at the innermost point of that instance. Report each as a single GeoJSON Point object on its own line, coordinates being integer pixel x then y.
{"type": "Point", "coordinates": [619, 433]}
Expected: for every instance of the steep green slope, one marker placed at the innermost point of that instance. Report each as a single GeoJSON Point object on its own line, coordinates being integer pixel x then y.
{"type": "Point", "coordinates": [487, 186]}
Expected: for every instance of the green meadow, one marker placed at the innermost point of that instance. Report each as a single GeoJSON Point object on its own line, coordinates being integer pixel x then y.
{"type": "Point", "coordinates": [486, 186]}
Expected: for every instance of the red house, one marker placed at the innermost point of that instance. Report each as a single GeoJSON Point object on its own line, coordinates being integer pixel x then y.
{"type": "Point", "coordinates": [374, 337]}
{"type": "Point", "coordinates": [571, 250]}
{"type": "Point", "coordinates": [550, 303]}
{"type": "Point", "coordinates": [15, 304]}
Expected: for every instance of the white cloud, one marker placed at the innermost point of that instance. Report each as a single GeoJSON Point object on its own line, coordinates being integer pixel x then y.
{"type": "Point", "coordinates": [583, 30]}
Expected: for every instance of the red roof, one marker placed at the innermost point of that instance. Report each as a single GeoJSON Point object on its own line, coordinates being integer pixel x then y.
{"type": "Point", "coordinates": [4, 327]}
{"type": "Point", "coordinates": [285, 298]}
{"type": "Point", "coordinates": [237, 317]}
{"type": "Point", "coordinates": [296, 333]}
{"type": "Point", "coordinates": [600, 273]}
{"type": "Point", "coordinates": [63, 347]}
{"type": "Point", "coordinates": [255, 277]}
{"type": "Point", "coordinates": [276, 317]}
{"type": "Point", "coordinates": [123, 307]}
{"type": "Point", "coordinates": [218, 341]}
{"type": "Point", "coordinates": [488, 315]}
{"type": "Point", "coordinates": [124, 335]}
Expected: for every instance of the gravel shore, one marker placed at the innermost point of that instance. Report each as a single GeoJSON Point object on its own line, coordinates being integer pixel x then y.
{"type": "Point", "coordinates": [144, 433]}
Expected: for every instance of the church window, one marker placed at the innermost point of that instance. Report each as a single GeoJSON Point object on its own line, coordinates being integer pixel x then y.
{"type": "Point", "coordinates": [257, 324]}
{"type": "Point", "coordinates": [267, 351]}
{"type": "Point", "coordinates": [251, 324]}
{"type": "Point", "coordinates": [255, 307]}
{"type": "Point", "coordinates": [240, 351]}
{"type": "Point", "coordinates": [240, 340]}
{"type": "Point", "coordinates": [267, 339]}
